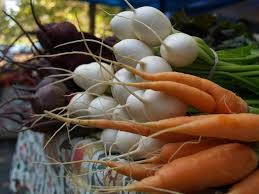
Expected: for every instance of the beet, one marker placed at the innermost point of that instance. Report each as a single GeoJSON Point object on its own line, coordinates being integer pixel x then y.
{"type": "Point", "coordinates": [72, 61]}
{"type": "Point", "coordinates": [48, 98]}
{"type": "Point", "coordinates": [54, 34]}
{"type": "Point", "coordinates": [45, 81]}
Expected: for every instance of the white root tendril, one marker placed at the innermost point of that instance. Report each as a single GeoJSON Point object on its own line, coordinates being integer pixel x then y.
{"type": "Point", "coordinates": [216, 61]}
{"type": "Point", "coordinates": [181, 147]}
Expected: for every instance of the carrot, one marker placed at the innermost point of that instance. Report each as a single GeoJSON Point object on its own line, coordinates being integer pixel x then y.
{"type": "Point", "coordinates": [172, 151]}
{"type": "Point", "coordinates": [156, 126]}
{"type": "Point", "coordinates": [226, 100]}
{"type": "Point", "coordinates": [243, 127]}
{"type": "Point", "coordinates": [250, 185]}
{"type": "Point", "coordinates": [218, 166]}
{"type": "Point", "coordinates": [145, 129]}
{"type": "Point", "coordinates": [189, 95]}
{"type": "Point", "coordinates": [175, 121]}
{"type": "Point", "coordinates": [134, 171]}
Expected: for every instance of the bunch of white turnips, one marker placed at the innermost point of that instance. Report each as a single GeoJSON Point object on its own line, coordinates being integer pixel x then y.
{"type": "Point", "coordinates": [140, 32]}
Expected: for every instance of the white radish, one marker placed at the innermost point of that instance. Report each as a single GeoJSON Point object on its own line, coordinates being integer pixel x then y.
{"type": "Point", "coordinates": [119, 141]}
{"type": "Point", "coordinates": [88, 75]}
{"type": "Point", "coordinates": [147, 147]}
{"type": "Point", "coordinates": [124, 141]}
{"type": "Point", "coordinates": [130, 51]}
{"type": "Point", "coordinates": [136, 108]}
{"type": "Point", "coordinates": [108, 138]}
{"type": "Point", "coordinates": [151, 25]}
{"type": "Point", "coordinates": [144, 147]}
{"type": "Point", "coordinates": [179, 49]}
{"type": "Point", "coordinates": [152, 64]}
{"type": "Point", "coordinates": [79, 104]}
{"type": "Point", "coordinates": [156, 106]}
{"type": "Point", "coordinates": [120, 113]}
{"type": "Point", "coordinates": [121, 25]}
{"type": "Point", "coordinates": [102, 107]}
{"type": "Point", "coordinates": [119, 92]}
{"type": "Point", "coordinates": [161, 106]}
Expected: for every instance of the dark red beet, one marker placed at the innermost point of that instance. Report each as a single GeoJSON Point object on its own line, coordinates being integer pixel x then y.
{"type": "Point", "coordinates": [45, 81]}
{"type": "Point", "coordinates": [54, 34]}
{"type": "Point", "coordinates": [72, 61]}
{"type": "Point", "coordinates": [48, 97]}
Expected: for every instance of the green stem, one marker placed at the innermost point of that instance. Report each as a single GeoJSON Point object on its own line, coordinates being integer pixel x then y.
{"type": "Point", "coordinates": [253, 110]}
{"type": "Point", "coordinates": [236, 68]}
{"type": "Point", "coordinates": [248, 73]}
{"type": "Point", "coordinates": [238, 78]}
{"type": "Point", "coordinates": [206, 50]}
{"type": "Point", "coordinates": [204, 46]}
{"type": "Point", "coordinates": [229, 68]}
{"type": "Point", "coordinates": [204, 56]}
{"type": "Point", "coordinates": [232, 75]}
{"type": "Point", "coordinates": [238, 59]}
{"type": "Point", "coordinates": [227, 63]}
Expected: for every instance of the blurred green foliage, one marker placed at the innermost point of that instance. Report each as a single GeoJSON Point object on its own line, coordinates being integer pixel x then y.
{"type": "Point", "coordinates": [53, 11]}
{"type": "Point", "coordinates": [218, 32]}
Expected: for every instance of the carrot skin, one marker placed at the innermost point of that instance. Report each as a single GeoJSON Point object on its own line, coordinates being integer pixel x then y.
{"type": "Point", "coordinates": [134, 171]}
{"type": "Point", "coordinates": [218, 166]}
{"type": "Point", "coordinates": [132, 127]}
{"type": "Point", "coordinates": [187, 94]}
{"type": "Point", "coordinates": [172, 151]}
{"type": "Point", "coordinates": [226, 100]}
{"type": "Point", "coordinates": [243, 127]}
{"type": "Point", "coordinates": [250, 185]}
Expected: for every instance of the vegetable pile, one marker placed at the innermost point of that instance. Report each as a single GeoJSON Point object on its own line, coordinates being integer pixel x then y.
{"type": "Point", "coordinates": [165, 104]}
{"type": "Point", "coordinates": [145, 117]}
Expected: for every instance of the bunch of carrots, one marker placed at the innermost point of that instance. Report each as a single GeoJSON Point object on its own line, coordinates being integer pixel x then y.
{"type": "Point", "coordinates": [201, 151]}
{"type": "Point", "coordinates": [219, 157]}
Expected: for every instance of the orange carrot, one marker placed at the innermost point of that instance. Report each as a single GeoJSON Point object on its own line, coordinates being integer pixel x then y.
{"type": "Point", "coordinates": [218, 166]}
{"type": "Point", "coordinates": [250, 185]}
{"type": "Point", "coordinates": [175, 121]}
{"type": "Point", "coordinates": [227, 101]}
{"type": "Point", "coordinates": [156, 126]}
{"type": "Point", "coordinates": [187, 94]}
{"type": "Point", "coordinates": [172, 151]}
{"type": "Point", "coordinates": [145, 129]}
{"type": "Point", "coordinates": [243, 127]}
{"type": "Point", "coordinates": [134, 171]}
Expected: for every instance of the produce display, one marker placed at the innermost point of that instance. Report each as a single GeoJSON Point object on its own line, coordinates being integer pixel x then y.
{"type": "Point", "coordinates": [182, 115]}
